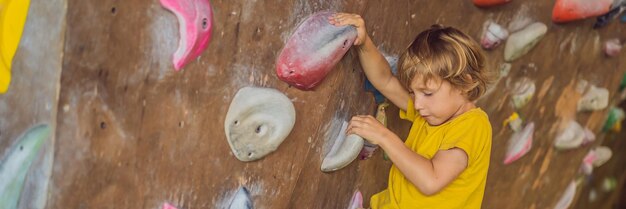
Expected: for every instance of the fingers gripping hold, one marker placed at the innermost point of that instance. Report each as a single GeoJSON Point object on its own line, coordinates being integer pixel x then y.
{"type": "Point", "coordinates": [339, 19]}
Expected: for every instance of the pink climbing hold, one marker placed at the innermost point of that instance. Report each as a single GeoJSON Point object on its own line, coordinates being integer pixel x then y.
{"type": "Point", "coordinates": [519, 144]}
{"type": "Point", "coordinates": [313, 50]}
{"type": "Point", "coordinates": [168, 206]}
{"type": "Point", "coordinates": [570, 10]}
{"type": "Point", "coordinates": [587, 166]}
{"type": "Point", "coordinates": [612, 47]}
{"type": "Point", "coordinates": [367, 151]}
{"type": "Point", "coordinates": [493, 35]}
{"type": "Point", "coordinates": [195, 25]}
{"type": "Point", "coordinates": [357, 200]}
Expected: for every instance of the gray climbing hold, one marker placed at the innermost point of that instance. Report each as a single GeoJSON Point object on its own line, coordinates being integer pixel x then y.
{"type": "Point", "coordinates": [344, 150]}
{"type": "Point", "coordinates": [16, 163]}
{"type": "Point", "coordinates": [241, 200]}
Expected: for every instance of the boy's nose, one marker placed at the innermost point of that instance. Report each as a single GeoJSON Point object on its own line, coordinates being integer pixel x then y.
{"type": "Point", "coordinates": [418, 105]}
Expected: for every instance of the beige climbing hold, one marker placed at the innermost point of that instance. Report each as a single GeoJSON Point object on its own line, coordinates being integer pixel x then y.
{"type": "Point", "coordinates": [594, 99]}
{"type": "Point", "coordinates": [257, 122]}
{"type": "Point", "coordinates": [572, 136]}
{"type": "Point", "coordinates": [519, 43]}
{"type": "Point", "coordinates": [505, 68]}
{"type": "Point", "coordinates": [519, 22]}
{"type": "Point", "coordinates": [523, 90]}
{"type": "Point", "coordinates": [603, 154]}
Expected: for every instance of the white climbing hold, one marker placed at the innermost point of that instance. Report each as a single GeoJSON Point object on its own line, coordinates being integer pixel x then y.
{"type": "Point", "coordinates": [493, 35]}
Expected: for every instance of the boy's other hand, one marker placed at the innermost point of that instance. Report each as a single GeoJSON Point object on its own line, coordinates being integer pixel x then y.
{"type": "Point", "coordinates": [340, 19]}
{"type": "Point", "coordinates": [369, 128]}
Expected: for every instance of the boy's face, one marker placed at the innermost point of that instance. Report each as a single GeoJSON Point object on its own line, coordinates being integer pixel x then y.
{"type": "Point", "coordinates": [437, 101]}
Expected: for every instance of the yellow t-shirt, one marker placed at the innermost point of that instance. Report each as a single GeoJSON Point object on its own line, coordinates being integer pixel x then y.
{"type": "Point", "coordinates": [471, 132]}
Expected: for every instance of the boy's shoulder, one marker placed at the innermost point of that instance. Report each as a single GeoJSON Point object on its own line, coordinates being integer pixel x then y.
{"type": "Point", "coordinates": [471, 131]}
{"type": "Point", "coordinates": [473, 117]}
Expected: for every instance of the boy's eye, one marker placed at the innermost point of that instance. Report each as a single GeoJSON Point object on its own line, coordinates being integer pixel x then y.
{"type": "Point", "coordinates": [428, 94]}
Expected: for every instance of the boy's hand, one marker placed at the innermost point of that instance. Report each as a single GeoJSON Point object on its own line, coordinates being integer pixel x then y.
{"type": "Point", "coordinates": [369, 128]}
{"type": "Point", "coordinates": [339, 19]}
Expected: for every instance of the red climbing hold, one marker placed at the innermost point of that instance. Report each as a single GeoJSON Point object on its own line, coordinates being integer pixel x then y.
{"type": "Point", "coordinates": [570, 10]}
{"type": "Point", "coordinates": [313, 50]}
{"type": "Point", "coordinates": [487, 3]}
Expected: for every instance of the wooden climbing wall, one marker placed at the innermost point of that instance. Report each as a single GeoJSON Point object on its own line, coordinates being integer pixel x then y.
{"type": "Point", "coordinates": [133, 133]}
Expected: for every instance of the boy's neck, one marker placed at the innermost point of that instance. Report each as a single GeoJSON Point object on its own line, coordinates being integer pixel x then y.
{"type": "Point", "coordinates": [467, 106]}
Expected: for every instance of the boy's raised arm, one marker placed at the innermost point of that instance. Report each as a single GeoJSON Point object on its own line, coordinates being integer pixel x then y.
{"type": "Point", "coordinates": [374, 65]}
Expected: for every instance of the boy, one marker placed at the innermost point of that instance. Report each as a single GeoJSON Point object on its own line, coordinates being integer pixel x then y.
{"type": "Point", "coordinates": [444, 161]}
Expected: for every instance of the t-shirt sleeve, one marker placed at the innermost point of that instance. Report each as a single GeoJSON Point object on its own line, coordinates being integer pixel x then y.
{"type": "Point", "coordinates": [471, 135]}
{"type": "Point", "coordinates": [409, 114]}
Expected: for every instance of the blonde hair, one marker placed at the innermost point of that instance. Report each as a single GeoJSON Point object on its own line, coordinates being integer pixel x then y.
{"type": "Point", "coordinates": [449, 54]}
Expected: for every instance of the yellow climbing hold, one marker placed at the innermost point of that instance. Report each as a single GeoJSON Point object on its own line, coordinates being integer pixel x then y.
{"type": "Point", "coordinates": [513, 117]}
{"type": "Point", "coordinates": [617, 127]}
{"type": "Point", "coordinates": [514, 121]}
{"type": "Point", "coordinates": [381, 116]}
{"type": "Point", "coordinates": [12, 18]}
